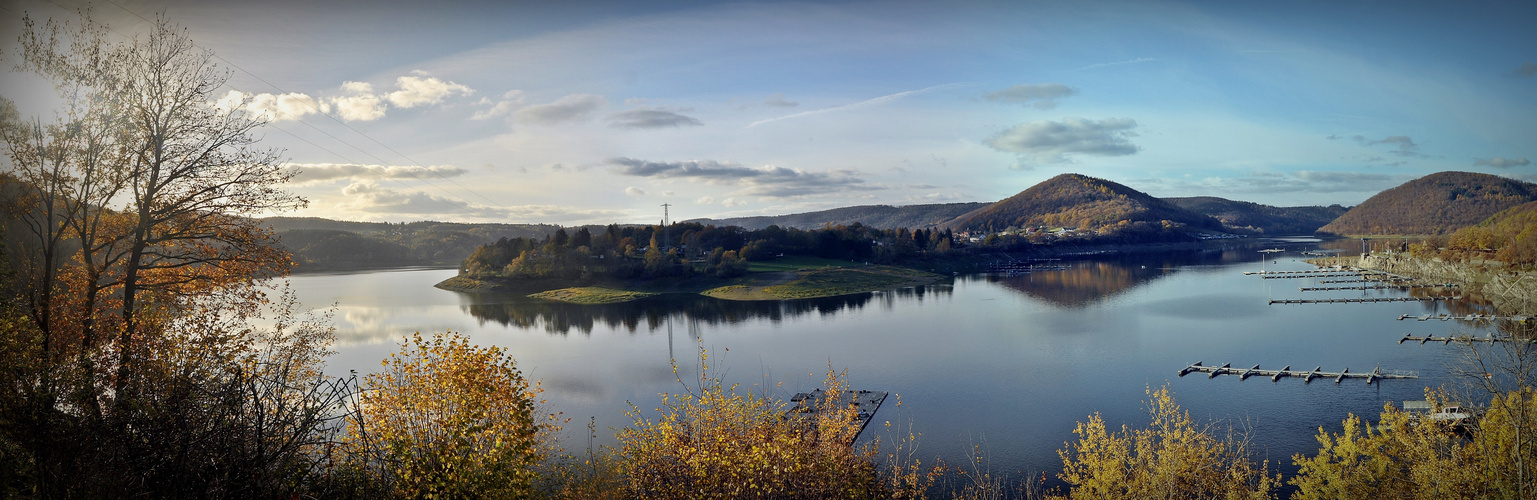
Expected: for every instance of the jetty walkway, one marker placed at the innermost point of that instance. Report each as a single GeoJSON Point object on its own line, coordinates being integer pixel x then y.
{"type": "Point", "coordinates": [1307, 376]}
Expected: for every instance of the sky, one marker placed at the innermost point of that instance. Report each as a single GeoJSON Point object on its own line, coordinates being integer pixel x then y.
{"type": "Point", "coordinates": [578, 112]}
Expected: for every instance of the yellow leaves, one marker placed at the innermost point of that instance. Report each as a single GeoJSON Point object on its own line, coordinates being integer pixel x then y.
{"type": "Point", "coordinates": [714, 442]}
{"type": "Point", "coordinates": [454, 419]}
{"type": "Point", "coordinates": [1173, 458]}
{"type": "Point", "coordinates": [1404, 457]}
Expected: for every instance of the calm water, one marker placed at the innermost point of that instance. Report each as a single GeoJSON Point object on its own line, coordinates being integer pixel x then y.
{"type": "Point", "coordinates": [1010, 363]}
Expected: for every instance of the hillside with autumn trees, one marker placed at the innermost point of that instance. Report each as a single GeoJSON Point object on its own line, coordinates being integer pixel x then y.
{"type": "Point", "coordinates": [1436, 204]}
{"type": "Point", "coordinates": [1086, 203]}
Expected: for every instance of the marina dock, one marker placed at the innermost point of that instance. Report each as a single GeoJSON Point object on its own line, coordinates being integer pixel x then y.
{"type": "Point", "coordinates": [807, 405]}
{"type": "Point", "coordinates": [1360, 300]}
{"type": "Point", "coordinates": [1470, 317]}
{"type": "Point", "coordinates": [1307, 376]}
{"type": "Point", "coordinates": [1465, 339]}
{"type": "Point", "coordinates": [1376, 287]}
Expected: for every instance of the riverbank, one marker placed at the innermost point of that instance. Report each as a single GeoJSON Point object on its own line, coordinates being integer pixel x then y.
{"type": "Point", "coordinates": [828, 281]}
{"type": "Point", "coordinates": [1511, 292]}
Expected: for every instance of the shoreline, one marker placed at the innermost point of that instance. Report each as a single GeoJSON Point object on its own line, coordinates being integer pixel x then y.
{"type": "Point", "coordinates": [811, 283]}
{"type": "Point", "coordinates": [774, 285]}
{"type": "Point", "coordinates": [1511, 292]}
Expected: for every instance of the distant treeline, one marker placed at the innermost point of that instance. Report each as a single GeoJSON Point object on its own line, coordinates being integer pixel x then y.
{"type": "Point", "coordinates": [689, 248]}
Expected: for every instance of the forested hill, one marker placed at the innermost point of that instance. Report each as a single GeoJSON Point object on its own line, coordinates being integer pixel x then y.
{"type": "Point", "coordinates": [876, 216]}
{"type": "Point", "coordinates": [1243, 216]}
{"type": "Point", "coordinates": [1435, 204]}
{"type": "Point", "coordinates": [324, 244]}
{"type": "Point", "coordinates": [1087, 203]}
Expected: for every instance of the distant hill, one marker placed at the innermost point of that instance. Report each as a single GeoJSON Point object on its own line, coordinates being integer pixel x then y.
{"type": "Point", "coordinates": [1073, 200]}
{"type": "Point", "coordinates": [877, 216]}
{"type": "Point", "coordinates": [1435, 204]}
{"type": "Point", "coordinates": [324, 244]}
{"type": "Point", "coordinates": [1243, 216]}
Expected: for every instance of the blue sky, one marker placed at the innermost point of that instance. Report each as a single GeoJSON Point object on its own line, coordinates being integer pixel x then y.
{"type": "Point", "coordinates": [581, 112]}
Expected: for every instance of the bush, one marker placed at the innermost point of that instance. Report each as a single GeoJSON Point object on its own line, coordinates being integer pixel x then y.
{"type": "Point", "coordinates": [446, 419]}
{"type": "Point", "coordinates": [712, 441]}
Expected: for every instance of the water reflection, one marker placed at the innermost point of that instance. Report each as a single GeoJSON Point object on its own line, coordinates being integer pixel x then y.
{"type": "Point", "coordinates": [1088, 282]}
{"type": "Point", "coordinates": [654, 313]}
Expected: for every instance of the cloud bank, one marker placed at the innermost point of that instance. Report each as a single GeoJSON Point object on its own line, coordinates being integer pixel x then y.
{"type": "Point", "coordinates": [1500, 162]}
{"type": "Point", "coordinates": [1053, 141]}
{"type": "Point", "coordinates": [768, 181]}
{"type": "Point", "coordinates": [313, 173]}
{"type": "Point", "coordinates": [1041, 96]}
{"type": "Point", "coordinates": [650, 118]}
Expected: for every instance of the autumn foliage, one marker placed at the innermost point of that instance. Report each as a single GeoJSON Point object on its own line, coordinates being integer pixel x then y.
{"type": "Point", "coordinates": [447, 419]}
{"type": "Point", "coordinates": [1173, 458]}
{"type": "Point", "coordinates": [714, 441]}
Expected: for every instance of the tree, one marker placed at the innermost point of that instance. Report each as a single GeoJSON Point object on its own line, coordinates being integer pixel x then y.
{"type": "Point", "coordinates": [447, 419]}
{"type": "Point", "coordinates": [190, 177]}
{"type": "Point", "coordinates": [1174, 458]}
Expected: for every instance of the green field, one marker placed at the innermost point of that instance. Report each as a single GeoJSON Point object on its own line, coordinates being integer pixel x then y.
{"type": "Point", "coordinates": [833, 282]}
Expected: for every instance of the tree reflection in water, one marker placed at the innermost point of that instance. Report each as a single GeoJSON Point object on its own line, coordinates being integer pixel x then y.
{"type": "Point", "coordinates": [559, 318]}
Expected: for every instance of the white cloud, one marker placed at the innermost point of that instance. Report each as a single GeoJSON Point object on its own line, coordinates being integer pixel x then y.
{"type": "Point", "coordinates": [1053, 141]}
{"type": "Point", "coordinates": [574, 107]}
{"type": "Point", "coordinates": [272, 107]}
{"type": "Point", "coordinates": [420, 90]}
{"type": "Point", "coordinates": [634, 191]}
{"type": "Point", "coordinates": [358, 87]}
{"type": "Point", "coordinates": [311, 173]}
{"type": "Point", "coordinates": [704, 200]}
{"type": "Point", "coordinates": [359, 108]}
{"type": "Point", "coordinates": [732, 203]}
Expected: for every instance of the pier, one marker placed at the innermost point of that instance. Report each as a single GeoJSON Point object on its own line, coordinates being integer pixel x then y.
{"type": "Point", "coordinates": [808, 405]}
{"type": "Point", "coordinates": [1307, 376]}
{"type": "Point", "coordinates": [1270, 276]}
{"type": "Point", "coordinates": [1377, 280]}
{"type": "Point", "coordinates": [1465, 339]}
{"type": "Point", "coordinates": [1376, 287]}
{"type": "Point", "coordinates": [1361, 300]}
{"type": "Point", "coordinates": [1470, 317]}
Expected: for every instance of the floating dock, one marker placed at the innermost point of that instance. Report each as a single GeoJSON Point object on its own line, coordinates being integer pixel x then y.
{"type": "Point", "coordinates": [1470, 317]}
{"type": "Point", "coordinates": [1465, 339]}
{"type": "Point", "coordinates": [1307, 376]}
{"type": "Point", "coordinates": [1360, 300]}
{"type": "Point", "coordinates": [807, 405]}
{"type": "Point", "coordinates": [1387, 279]}
{"type": "Point", "coordinates": [1269, 276]}
{"type": "Point", "coordinates": [1376, 287]}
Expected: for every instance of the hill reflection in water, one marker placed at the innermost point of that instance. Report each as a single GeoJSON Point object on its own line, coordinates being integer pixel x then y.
{"type": "Point", "coordinates": [559, 318]}
{"type": "Point", "coordinates": [1088, 282]}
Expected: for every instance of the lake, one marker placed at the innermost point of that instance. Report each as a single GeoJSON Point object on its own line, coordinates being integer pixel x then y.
{"type": "Point", "coordinates": [1008, 363]}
